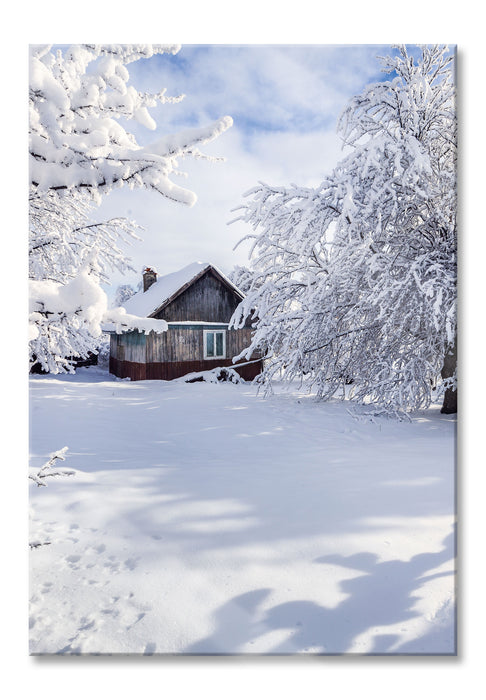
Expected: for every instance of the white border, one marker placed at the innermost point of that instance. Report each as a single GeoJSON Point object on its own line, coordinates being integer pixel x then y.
{"type": "Point", "coordinates": [210, 22]}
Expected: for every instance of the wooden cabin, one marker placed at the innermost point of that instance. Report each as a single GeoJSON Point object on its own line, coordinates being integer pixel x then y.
{"type": "Point", "coordinates": [197, 302]}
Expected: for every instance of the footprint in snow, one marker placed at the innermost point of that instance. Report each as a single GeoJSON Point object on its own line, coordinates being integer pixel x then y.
{"type": "Point", "coordinates": [72, 560]}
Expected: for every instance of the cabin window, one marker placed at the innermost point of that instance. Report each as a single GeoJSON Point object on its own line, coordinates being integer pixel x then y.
{"type": "Point", "coordinates": [214, 344]}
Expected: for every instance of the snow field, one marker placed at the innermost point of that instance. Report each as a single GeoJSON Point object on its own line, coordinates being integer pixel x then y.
{"type": "Point", "coordinates": [203, 519]}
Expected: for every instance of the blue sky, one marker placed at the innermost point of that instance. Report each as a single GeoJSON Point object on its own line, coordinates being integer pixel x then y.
{"type": "Point", "coordinates": [285, 101]}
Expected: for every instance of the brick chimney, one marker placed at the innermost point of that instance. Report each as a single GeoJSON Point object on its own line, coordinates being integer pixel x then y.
{"type": "Point", "coordinates": [149, 277]}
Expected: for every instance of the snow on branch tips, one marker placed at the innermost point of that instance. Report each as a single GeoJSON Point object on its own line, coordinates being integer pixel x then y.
{"type": "Point", "coordinates": [77, 142]}
{"type": "Point", "coordinates": [47, 470]}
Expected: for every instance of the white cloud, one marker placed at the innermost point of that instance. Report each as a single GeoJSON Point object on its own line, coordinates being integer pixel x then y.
{"type": "Point", "coordinates": [269, 86]}
{"type": "Point", "coordinates": [285, 101]}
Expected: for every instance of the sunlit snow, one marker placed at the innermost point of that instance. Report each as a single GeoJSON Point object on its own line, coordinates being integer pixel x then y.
{"type": "Point", "coordinates": [203, 518]}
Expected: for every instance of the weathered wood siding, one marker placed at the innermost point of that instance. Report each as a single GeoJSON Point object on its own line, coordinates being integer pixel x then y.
{"type": "Point", "coordinates": [130, 347]}
{"type": "Point", "coordinates": [113, 344]}
{"type": "Point", "coordinates": [173, 370]}
{"type": "Point", "coordinates": [133, 370]}
{"type": "Point", "coordinates": [187, 345]}
{"type": "Point", "coordinates": [175, 345]}
{"type": "Point", "coordinates": [208, 299]}
{"type": "Point", "coordinates": [237, 340]}
{"type": "Point", "coordinates": [178, 344]}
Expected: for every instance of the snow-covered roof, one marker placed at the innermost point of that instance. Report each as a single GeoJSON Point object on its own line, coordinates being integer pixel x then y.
{"type": "Point", "coordinates": [147, 303]}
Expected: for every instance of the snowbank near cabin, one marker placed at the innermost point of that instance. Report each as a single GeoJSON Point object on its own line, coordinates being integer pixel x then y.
{"type": "Point", "coordinates": [205, 519]}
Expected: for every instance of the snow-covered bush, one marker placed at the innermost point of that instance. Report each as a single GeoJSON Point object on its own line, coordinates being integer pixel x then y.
{"type": "Point", "coordinates": [354, 282]}
{"type": "Point", "coordinates": [81, 101]}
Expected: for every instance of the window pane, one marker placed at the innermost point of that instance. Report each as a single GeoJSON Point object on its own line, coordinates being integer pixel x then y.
{"type": "Point", "coordinates": [219, 344]}
{"type": "Point", "coordinates": [210, 344]}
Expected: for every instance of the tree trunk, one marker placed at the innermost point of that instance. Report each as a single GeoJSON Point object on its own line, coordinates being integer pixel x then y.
{"type": "Point", "coordinates": [450, 396]}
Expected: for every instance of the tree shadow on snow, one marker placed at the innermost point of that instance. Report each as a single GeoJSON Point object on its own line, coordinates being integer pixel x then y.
{"type": "Point", "coordinates": [381, 596]}
{"type": "Point", "coordinates": [235, 625]}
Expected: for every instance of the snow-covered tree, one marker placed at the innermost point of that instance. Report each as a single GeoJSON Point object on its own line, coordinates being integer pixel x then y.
{"type": "Point", "coordinates": [80, 108]}
{"type": "Point", "coordinates": [123, 293]}
{"type": "Point", "coordinates": [242, 277]}
{"type": "Point", "coordinates": [355, 280]}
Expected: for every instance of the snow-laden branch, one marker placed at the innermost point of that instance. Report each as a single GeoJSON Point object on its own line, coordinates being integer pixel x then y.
{"type": "Point", "coordinates": [353, 282]}
{"type": "Point", "coordinates": [47, 470]}
{"type": "Point", "coordinates": [60, 313]}
{"type": "Point", "coordinates": [81, 108]}
{"type": "Point", "coordinates": [119, 320]}
{"type": "Point", "coordinates": [77, 141]}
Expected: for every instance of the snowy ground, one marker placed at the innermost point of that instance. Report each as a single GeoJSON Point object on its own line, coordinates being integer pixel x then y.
{"type": "Point", "coordinates": [203, 519]}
